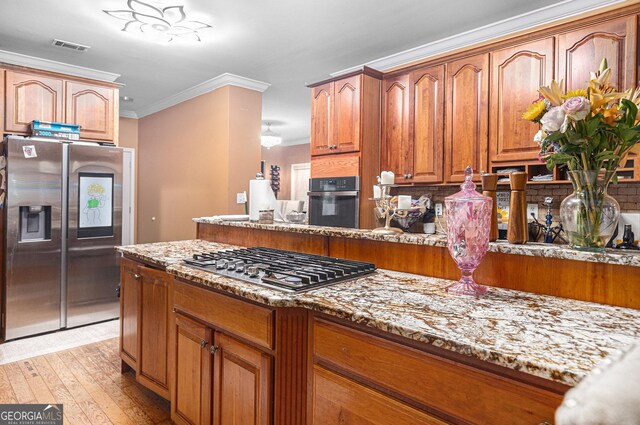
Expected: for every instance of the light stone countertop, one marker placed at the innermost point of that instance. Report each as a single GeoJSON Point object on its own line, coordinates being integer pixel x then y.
{"type": "Point", "coordinates": [554, 338]}
{"type": "Point", "coordinates": [611, 256]}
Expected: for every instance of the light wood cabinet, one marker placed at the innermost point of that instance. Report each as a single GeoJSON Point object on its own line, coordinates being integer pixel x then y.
{"type": "Point", "coordinates": [31, 97]}
{"type": "Point", "coordinates": [145, 324]}
{"type": "Point", "coordinates": [192, 395]}
{"type": "Point", "coordinates": [321, 118]}
{"type": "Point", "coordinates": [466, 117]}
{"type": "Point", "coordinates": [129, 311]}
{"type": "Point", "coordinates": [242, 383]}
{"type": "Point", "coordinates": [516, 75]}
{"type": "Point", "coordinates": [153, 334]}
{"type": "Point", "coordinates": [395, 127]}
{"type": "Point", "coordinates": [427, 125]}
{"type": "Point", "coordinates": [580, 52]}
{"type": "Point", "coordinates": [93, 108]}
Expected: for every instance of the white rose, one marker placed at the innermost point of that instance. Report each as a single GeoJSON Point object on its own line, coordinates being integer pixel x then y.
{"type": "Point", "coordinates": [553, 119]}
{"type": "Point", "coordinates": [539, 137]}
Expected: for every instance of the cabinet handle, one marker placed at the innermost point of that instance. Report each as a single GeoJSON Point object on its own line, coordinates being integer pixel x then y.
{"type": "Point", "coordinates": [203, 343]}
{"type": "Point", "coordinates": [137, 276]}
{"type": "Point", "coordinates": [409, 176]}
{"type": "Point", "coordinates": [214, 349]}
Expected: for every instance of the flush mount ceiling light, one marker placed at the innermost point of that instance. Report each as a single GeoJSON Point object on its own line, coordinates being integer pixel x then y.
{"type": "Point", "coordinates": [166, 24]}
{"type": "Point", "coordinates": [269, 138]}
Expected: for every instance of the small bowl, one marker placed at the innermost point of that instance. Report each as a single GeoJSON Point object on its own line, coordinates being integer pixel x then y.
{"type": "Point", "coordinates": [296, 217]}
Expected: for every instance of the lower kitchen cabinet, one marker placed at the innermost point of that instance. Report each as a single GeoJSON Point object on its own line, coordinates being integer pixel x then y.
{"type": "Point", "coordinates": [390, 382]}
{"type": "Point", "coordinates": [191, 401]}
{"type": "Point", "coordinates": [341, 401]}
{"type": "Point", "coordinates": [144, 324]}
{"type": "Point", "coordinates": [242, 383]}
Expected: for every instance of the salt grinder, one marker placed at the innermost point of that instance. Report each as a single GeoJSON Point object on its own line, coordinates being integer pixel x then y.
{"type": "Point", "coordinates": [489, 186]}
{"type": "Point", "coordinates": [517, 230]}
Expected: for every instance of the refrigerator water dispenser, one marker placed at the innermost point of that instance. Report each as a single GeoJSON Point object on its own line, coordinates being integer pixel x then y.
{"type": "Point", "coordinates": [35, 223]}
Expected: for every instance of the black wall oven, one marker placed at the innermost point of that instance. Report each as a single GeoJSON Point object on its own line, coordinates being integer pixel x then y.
{"type": "Point", "coordinates": [334, 201]}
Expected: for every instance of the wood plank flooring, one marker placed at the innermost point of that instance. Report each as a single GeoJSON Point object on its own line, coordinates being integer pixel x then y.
{"type": "Point", "coordinates": [87, 380]}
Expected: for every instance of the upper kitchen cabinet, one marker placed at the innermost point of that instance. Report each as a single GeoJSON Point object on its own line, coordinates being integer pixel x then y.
{"type": "Point", "coordinates": [427, 125]}
{"type": "Point", "coordinates": [581, 51]}
{"type": "Point", "coordinates": [395, 127]}
{"type": "Point", "coordinates": [516, 75]}
{"type": "Point", "coordinates": [321, 112]}
{"type": "Point", "coordinates": [93, 108]}
{"type": "Point", "coordinates": [45, 96]}
{"type": "Point", "coordinates": [466, 116]}
{"type": "Point", "coordinates": [347, 114]}
{"type": "Point", "coordinates": [31, 97]}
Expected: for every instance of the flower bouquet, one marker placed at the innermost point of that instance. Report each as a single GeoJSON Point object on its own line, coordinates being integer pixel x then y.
{"type": "Point", "coordinates": [590, 131]}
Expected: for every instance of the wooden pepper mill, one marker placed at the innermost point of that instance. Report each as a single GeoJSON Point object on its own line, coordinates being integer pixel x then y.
{"type": "Point", "coordinates": [517, 231]}
{"type": "Point", "coordinates": [489, 186]}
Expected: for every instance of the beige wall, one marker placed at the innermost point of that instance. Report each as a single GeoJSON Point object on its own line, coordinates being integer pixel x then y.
{"type": "Point", "coordinates": [128, 138]}
{"type": "Point", "coordinates": [193, 157]}
{"type": "Point", "coordinates": [284, 156]}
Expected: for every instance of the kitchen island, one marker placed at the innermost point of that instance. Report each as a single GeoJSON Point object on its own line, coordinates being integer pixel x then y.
{"type": "Point", "coordinates": [396, 340]}
{"type": "Point", "coordinates": [610, 278]}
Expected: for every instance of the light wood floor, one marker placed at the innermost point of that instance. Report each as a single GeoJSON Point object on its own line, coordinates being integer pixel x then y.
{"type": "Point", "coordinates": [87, 380]}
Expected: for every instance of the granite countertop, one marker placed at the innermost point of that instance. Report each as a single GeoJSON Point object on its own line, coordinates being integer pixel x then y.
{"type": "Point", "coordinates": [553, 338]}
{"type": "Point", "coordinates": [611, 256]}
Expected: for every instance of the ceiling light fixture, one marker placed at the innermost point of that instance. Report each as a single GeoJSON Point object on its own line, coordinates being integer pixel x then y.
{"type": "Point", "coordinates": [126, 98]}
{"type": "Point", "coordinates": [269, 138]}
{"type": "Point", "coordinates": [165, 25]}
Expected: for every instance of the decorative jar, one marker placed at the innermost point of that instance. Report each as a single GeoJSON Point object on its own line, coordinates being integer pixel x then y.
{"type": "Point", "coordinates": [468, 217]}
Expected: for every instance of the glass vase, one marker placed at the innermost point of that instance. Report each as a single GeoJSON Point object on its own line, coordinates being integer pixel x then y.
{"type": "Point", "coordinates": [468, 225]}
{"type": "Point", "coordinates": [589, 216]}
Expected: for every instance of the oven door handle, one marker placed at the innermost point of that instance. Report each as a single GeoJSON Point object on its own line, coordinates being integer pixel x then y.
{"type": "Point", "coordinates": [339, 193]}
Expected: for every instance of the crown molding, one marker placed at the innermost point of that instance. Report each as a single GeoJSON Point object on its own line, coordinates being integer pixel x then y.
{"type": "Point", "coordinates": [128, 114]}
{"type": "Point", "coordinates": [485, 33]}
{"type": "Point", "coordinates": [54, 66]}
{"type": "Point", "coordinates": [221, 80]}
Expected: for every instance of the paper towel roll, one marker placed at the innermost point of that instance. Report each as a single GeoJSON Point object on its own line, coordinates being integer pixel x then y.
{"type": "Point", "coordinates": [259, 197]}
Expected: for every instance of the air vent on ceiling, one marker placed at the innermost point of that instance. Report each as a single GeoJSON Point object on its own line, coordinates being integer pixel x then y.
{"type": "Point", "coordinates": [70, 45]}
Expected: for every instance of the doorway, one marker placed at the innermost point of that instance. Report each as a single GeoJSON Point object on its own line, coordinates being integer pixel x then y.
{"type": "Point", "coordinates": [300, 175]}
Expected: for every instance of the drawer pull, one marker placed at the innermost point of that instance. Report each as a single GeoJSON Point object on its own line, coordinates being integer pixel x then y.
{"type": "Point", "coordinates": [137, 276]}
{"type": "Point", "coordinates": [203, 344]}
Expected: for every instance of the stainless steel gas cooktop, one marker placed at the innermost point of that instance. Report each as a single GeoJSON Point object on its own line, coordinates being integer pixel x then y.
{"type": "Point", "coordinates": [278, 269]}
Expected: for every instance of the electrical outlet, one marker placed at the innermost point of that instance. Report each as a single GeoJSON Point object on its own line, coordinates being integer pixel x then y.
{"type": "Point", "coordinates": [532, 209]}
{"type": "Point", "coordinates": [439, 210]}
{"type": "Point", "coordinates": [241, 197]}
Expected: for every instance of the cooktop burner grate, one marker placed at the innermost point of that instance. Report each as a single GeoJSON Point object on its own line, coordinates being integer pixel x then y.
{"type": "Point", "coordinates": [275, 268]}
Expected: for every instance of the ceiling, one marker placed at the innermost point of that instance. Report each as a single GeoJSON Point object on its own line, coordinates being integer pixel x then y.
{"type": "Point", "coordinates": [286, 43]}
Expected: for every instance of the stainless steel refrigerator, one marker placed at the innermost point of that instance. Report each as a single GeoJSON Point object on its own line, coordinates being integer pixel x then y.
{"type": "Point", "coordinates": [62, 219]}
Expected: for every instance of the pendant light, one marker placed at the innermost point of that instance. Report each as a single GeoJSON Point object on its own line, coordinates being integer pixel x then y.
{"type": "Point", "coordinates": [269, 138]}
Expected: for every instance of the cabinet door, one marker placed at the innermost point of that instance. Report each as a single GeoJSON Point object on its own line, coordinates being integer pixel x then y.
{"type": "Point", "coordinates": [91, 107]}
{"type": "Point", "coordinates": [321, 119]}
{"type": "Point", "coordinates": [580, 52]}
{"type": "Point", "coordinates": [341, 401]}
{"type": "Point", "coordinates": [242, 384]}
{"type": "Point", "coordinates": [191, 401]}
{"type": "Point", "coordinates": [130, 285]}
{"type": "Point", "coordinates": [427, 125]}
{"type": "Point", "coordinates": [154, 331]}
{"type": "Point", "coordinates": [516, 75]}
{"type": "Point", "coordinates": [395, 127]}
{"type": "Point", "coordinates": [31, 97]}
{"type": "Point", "coordinates": [347, 115]}
{"type": "Point", "coordinates": [466, 117]}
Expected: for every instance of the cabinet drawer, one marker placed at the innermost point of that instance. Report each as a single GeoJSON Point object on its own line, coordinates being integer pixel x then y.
{"type": "Point", "coordinates": [246, 320]}
{"type": "Point", "coordinates": [439, 383]}
{"type": "Point", "coordinates": [341, 401]}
